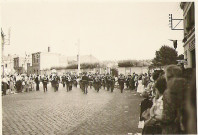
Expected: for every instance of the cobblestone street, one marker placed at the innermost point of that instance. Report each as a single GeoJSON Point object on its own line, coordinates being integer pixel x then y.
{"type": "Point", "coordinates": [71, 112]}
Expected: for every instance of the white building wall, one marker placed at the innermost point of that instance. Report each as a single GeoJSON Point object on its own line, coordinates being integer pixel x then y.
{"type": "Point", "coordinates": [131, 70]}
{"type": "Point", "coordinates": [63, 61]}
{"type": "Point", "coordinates": [121, 70]}
{"type": "Point", "coordinates": [8, 66]}
{"type": "Point", "coordinates": [48, 60]}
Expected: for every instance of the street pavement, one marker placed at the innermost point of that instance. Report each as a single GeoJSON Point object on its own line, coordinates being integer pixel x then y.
{"type": "Point", "coordinates": [71, 113]}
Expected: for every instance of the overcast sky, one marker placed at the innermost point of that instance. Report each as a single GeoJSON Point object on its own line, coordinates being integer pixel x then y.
{"type": "Point", "coordinates": [107, 30]}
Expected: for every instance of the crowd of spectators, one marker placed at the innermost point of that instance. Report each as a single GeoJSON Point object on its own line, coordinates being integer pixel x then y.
{"type": "Point", "coordinates": [169, 104]}
{"type": "Point", "coordinates": [16, 83]}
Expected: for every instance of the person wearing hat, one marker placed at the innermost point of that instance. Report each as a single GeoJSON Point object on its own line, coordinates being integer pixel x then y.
{"type": "Point", "coordinates": [37, 81]}
{"type": "Point", "coordinates": [121, 81]}
{"type": "Point", "coordinates": [103, 81]}
{"type": "Point", "coordinates": [108, 81]}
{"type": "Point", "coordinates": [56, 80]}
{"type": "Point", "coordinates": [128, 79]}
{"type": "Point", "coordinates": [97, 83]}
{"type": "Point", "coordinates": [85, 80]}
{"type": "Point", "coordinates": [112, 83]}
{"type": "Point", "coordinates": [132, 82]}
{"type": "Point", "coordinates": [69, 82]}
{"type": "Point", "coordinates": [63, 80]}
{"type": "Point", "coordinates": [45, 82]}
{"type": "Point", "coordinates": [74, 78]}
{"type": "Point", "coordinates": [90, 80]}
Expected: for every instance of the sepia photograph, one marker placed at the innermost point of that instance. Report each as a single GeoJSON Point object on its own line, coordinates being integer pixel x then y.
{"type": "Point", "coordinates": [101, 67]}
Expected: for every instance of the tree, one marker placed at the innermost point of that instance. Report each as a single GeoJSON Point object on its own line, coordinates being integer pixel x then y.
{"type": "Point", "coordinates": [180, 57]}
{"type": "Point", "coordinates": [165, 56]}
{"type": "Point", "coordinates": [125, 63]}
{"type": "Point", "coordinates": [82, 66]}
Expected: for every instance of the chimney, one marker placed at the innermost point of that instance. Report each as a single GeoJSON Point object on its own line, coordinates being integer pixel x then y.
{"type": "Point", "coordinates": [48, 49]}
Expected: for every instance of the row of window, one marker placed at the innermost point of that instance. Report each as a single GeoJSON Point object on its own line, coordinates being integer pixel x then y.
{"type": "Point", "coordinates": [190, 18]}
{"type": "Point", "coordinates": [16, 63]}
{"type": "Point", "coordinates": [35, 58]}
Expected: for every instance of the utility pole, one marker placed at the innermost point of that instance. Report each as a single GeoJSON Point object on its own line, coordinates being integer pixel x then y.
{"type": "Point", "coordinates": [25, 63]}
{"type": "Point", "coordinates": [78, 56]}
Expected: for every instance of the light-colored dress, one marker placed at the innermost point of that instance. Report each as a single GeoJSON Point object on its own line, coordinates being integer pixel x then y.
{"type": "Point", "coordinates": [11, 84]}
{"type": "Point", "coordinates": [140, 88]}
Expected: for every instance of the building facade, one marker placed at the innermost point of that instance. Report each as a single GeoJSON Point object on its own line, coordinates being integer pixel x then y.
{"type": "Point", "coordinates": [42, 62]}
{"type": "Point", "coordinates": [18, 66]}
{"type": "Point", "coordinates": [21, 64]}
{"type": "Point", "coordinates": [131, 70]}
{"type": "Point", "coordinates": [8, 64]}
{"type": "Point", "coordinates": [189, 33]}
{"type": "Point", "coordinates": [83, 59]}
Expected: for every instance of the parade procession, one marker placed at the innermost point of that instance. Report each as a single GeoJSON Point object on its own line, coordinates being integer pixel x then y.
{"type": "Point", "coordinates": [24, 83]}
{"type": "Point", "coordinates": [98, 67]}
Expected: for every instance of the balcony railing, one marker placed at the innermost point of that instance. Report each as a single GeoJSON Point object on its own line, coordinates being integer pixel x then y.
{"type": "Point", "coordinates": [188, 34]}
